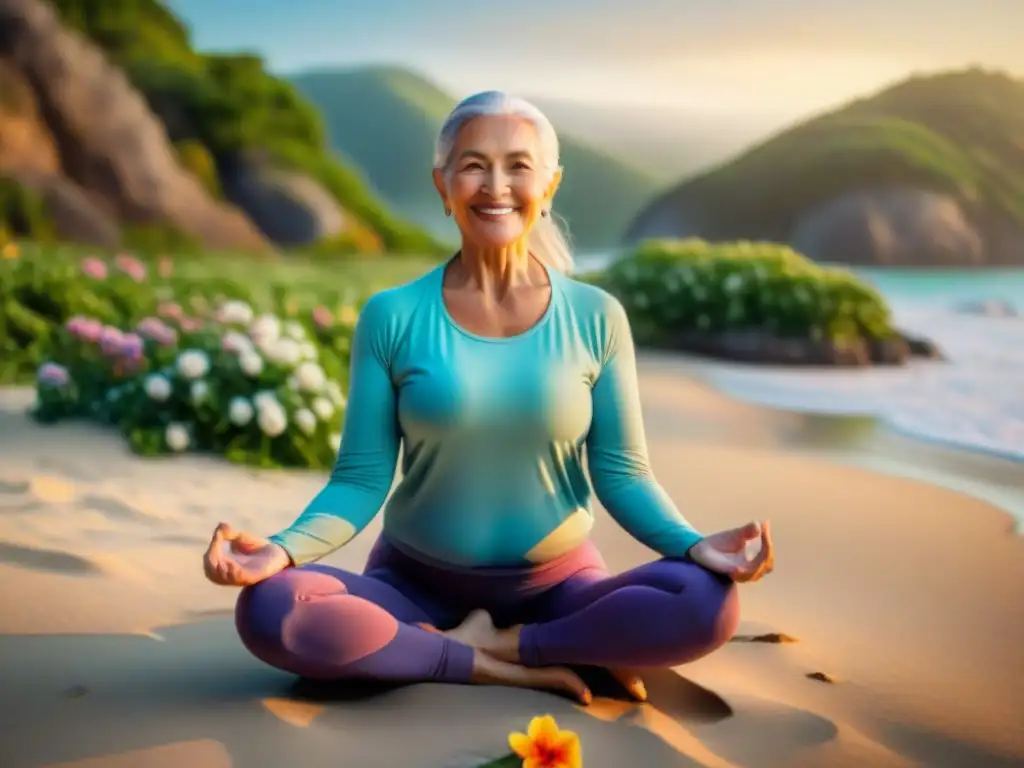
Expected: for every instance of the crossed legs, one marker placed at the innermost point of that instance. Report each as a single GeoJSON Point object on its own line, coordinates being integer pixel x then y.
{"type": "Point", "coordinates": [325, 623]}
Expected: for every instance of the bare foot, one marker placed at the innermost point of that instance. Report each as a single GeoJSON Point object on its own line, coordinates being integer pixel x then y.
{"type": "Point", "coordinates": [488, 670]}
{"type": "Point", "coordinates": [478, 631]}
{"type": "Point", "coordinates": [631, 681]}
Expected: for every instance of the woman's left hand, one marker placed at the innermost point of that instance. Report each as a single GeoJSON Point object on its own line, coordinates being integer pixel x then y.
{"type": "Point", "coordinates": [725, 552]}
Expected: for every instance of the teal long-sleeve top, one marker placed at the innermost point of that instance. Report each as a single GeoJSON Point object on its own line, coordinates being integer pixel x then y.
{"type": "Point", "coordinates": [493, 433]}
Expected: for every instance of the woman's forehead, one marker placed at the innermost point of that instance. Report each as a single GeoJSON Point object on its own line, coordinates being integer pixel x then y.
{"type": "Point", "coordinates": [498, 134]}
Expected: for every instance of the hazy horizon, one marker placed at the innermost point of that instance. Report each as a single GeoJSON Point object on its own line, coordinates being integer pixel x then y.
{"type": "Point", "coordinates": [770, 59]}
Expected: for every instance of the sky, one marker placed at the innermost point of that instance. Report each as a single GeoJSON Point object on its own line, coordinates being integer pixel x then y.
{"type": "Point", "coordinates": [784, 57]}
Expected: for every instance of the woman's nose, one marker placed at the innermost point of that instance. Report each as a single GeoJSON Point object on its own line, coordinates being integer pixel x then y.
{"type": "Point", "coordinates": [497, 181]}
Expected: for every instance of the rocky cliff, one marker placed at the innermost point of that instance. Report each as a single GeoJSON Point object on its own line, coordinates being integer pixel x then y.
{"type": "Point", "coordinates": [80, 135]}
{"type": "Point", "coordinates": [122, 130]}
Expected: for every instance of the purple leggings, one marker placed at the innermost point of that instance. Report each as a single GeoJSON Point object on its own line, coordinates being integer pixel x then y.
{"type": "Point", "coordinates": [325, 623]}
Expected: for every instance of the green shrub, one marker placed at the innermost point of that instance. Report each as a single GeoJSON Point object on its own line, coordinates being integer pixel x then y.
{"type": "Point", "coordinates": [668, 287]}
{"type": "Point", "coordinates": [23, 213]}
{"type": "Point", "coordinates": [42, 287]}
{"type": "Point", "coordinates": [196, 158]}
{"type": "Point", "coordinates": [180, 355]}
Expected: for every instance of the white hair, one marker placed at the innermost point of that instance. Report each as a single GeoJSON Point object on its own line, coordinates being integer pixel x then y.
{"type": "Point", "coordinates": [547, 240]}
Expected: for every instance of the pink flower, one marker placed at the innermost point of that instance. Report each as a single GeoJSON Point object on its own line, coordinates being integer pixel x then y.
{"type": "Point", "coordinates": [85, 328]}
{"type": "Point", "coordinates": [131, 266]}
{"type": "Point", "coordinates": [170, 309]}
{"type": "Point", "coordinates": [111, 341]}
{"type": "Point", "coordinates": [190, 324]}
{"type": "Point", "coordinates": [323, 317]}
{"type": "Point", "coordinates": [131, 346]}
{"type": "Point", "coordinates": [155, 329]}
{"type": "Point", "coordinates": [94, 268]}
{"type": "Point", "coordinates": [53, 375]}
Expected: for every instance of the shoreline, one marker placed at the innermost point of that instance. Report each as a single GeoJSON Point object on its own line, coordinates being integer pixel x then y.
{"type": "Point", "coordinates": [862, 438]}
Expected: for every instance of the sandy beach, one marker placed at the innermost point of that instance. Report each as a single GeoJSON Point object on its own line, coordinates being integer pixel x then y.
{"type": "Point", "coordinates": [114, 650]}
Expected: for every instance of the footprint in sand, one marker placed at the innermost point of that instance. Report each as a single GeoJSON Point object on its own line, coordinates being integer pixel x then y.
{"type": "Point", "coordinates": [51, 560]}
{"type": "Point", "coordinates": [114, 509]}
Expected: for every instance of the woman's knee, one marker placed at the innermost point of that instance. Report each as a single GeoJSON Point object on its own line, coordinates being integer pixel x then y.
{"type": "Point", "coordinates": [708, 614]}
{"type": "Point", "coordinates": [263, 608]}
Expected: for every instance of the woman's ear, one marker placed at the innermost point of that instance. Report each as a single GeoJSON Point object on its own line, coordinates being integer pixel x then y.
{"type": "Point", "coordinates": [441, 186]}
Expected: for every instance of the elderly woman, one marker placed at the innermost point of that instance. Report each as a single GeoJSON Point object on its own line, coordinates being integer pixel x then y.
{"type": "Point", "coordinates": [493, 372]}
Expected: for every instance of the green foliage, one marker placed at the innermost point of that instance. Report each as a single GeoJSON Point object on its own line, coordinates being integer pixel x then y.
{"type": "Point", "coordinates": [196, 158]}
{"type": "Point", "coordinates": [23, 213]}
{"type": "Point", "coordinates": [398, 116]}
{"type": "Point", "coordinates": [228, 103]}
{"type": "Point", "coordinates": [957, 133]}
{"type": "Point", "coordinates": [153, 239]}
{"type": "Point", "coordinates": [671, 286]}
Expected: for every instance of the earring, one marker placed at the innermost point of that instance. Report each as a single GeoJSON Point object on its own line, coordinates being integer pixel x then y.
{"type": "Point", "coordinates": [544, 212]}
{"type": "Point", "coordinates": [447, 211]}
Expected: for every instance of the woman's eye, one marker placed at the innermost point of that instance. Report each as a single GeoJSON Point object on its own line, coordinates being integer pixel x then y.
{"type": "Point", "coordinates": [521, 166]}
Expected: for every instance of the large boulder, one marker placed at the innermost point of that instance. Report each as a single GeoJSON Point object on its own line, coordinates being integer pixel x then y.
{"type": "Point", "coordinates": [289, 207]}
{"type": "Point", "coordinates": [890, 227]}
{"type": "Point", "coordinates": [109, 142]}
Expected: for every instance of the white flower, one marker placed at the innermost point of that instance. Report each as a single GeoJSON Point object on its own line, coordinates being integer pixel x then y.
{"type": "Point", "coordinates": [265, 398]}
{"type": "Point", "coordinates": [271, 418]}
{"type": "Point", "coordinates": [308, 350]}
{"type": "Point", "coordinates": [236, 342]}
{"type": "Point", "coordinates": [193, 364]}
{"type": "Point", "coordinates": [310, 377]}
{"type": "Point", "coordinates": [323, 408]}
{"type": "Point", "coordinates": [283, 351]}
{"type": "Point", "coordinates": [265, 328]}
{"type": "Point", "coordinates": [200, 391]}
{"type": "Point", "coordinates": [251, 363]}
{"type": "Point", "coordinates": [733, 282]}
{"type": "Point", "coordinates": [240, 411]}
{"type": "Point", "coordinates": [176, 436]}
{"type": "Point", "coordinates": [158, 387]}
{"type": "Point", "coordinates": [334, 440]}
{"type": "Point", "coordinates": [294, 330]}
{"type": "Point", "coordinates": [235, 313]}
{"type": "Point", "coordinates": [335, 394]}
{"type": "Point", "coordinates": [305, 420]}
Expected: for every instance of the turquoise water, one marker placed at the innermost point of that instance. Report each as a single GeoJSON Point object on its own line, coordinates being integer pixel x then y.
{"type": "Point", "coordinates": [947, 288]}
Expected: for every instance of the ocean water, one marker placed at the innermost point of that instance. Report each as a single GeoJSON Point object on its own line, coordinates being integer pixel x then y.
{"type": "Point", "coordinates": [972, 401]}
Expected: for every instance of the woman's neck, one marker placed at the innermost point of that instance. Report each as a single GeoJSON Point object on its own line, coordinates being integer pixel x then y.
{"type": "Point", "coordinates": [495, 271]}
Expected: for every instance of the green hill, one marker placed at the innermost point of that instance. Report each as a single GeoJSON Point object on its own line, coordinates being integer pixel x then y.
{"type": "Point", "coordinates": [386, 120]}
{"type": "Point", "coordinates": [216, 105]}
{"type": "Point", "coordinates": [959, 134]}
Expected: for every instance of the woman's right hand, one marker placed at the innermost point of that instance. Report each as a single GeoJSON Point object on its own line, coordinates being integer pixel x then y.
{"type": "Point", "coordinates": [238, 559]}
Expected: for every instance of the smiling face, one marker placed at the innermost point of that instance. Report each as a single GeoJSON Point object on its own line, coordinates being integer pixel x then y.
{"type": "Point", "coordinates": [496, 184]}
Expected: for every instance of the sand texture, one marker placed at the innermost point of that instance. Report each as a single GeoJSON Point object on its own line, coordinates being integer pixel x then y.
{"type": "Point", "coordinates": [890, 634]}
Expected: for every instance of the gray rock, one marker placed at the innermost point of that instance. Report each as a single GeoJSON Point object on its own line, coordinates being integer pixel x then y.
{"type": "Point", "coordinates": [290, 208]}
{"type": "Point", "coordinates": [893, 227]}
{"type": "Point", "coordinates": [75, 216]}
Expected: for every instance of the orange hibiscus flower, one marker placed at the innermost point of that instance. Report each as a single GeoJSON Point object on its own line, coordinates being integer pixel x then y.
{"type": "Point", "coordinates": [545, 746]}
